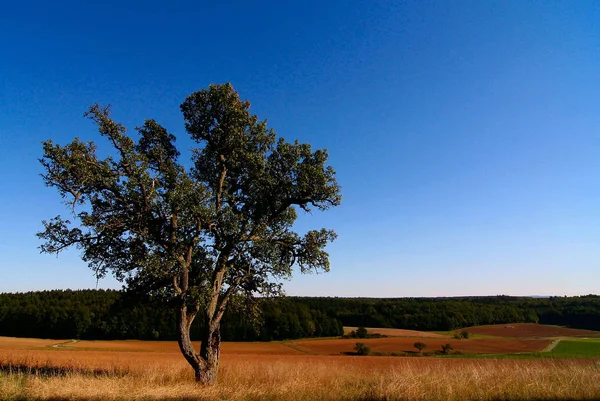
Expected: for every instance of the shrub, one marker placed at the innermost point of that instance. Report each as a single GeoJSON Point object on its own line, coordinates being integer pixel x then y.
{"type": "Point", "coordinates": [362, 349]}
{"type": "Point", "coordinates": [419, 345]}
{"type": "Point", "coordinates": [361, 332]}
{"type": "Point", "coordinates": [447, 348]}
{"type": "Point", "coordinates": [460, 334]}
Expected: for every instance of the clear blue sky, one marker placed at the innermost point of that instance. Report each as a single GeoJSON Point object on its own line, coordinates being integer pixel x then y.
{"type": "Point", "coordinates": [465, 134]}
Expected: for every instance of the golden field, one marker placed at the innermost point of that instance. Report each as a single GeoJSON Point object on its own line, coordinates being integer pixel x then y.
{"type": "Point", "coordinates": [397, 332]}
{"type": "Point", "coordinates": [124, 370]}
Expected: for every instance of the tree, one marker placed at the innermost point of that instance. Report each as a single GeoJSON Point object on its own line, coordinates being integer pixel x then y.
{"type": "Point", "coordinates": [362, 332]}
{"type": "Point", "coordinates": [447, 348]}
{"type": "Point", "coordinates": [420, 346]}
{"type": "Point", "coordinates": [362, 349]}
{"type": "Point", "coordinates": [200, 235]}
{"type": "Point", "coordinates": [460, 334]}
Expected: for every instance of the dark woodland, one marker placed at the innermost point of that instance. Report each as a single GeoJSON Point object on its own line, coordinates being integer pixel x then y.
{"type": "Point", "coordinates": [109, 314]}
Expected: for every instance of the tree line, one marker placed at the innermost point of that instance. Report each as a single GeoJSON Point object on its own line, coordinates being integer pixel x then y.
{"type": "Point", "coordinates": [437, 314]}
{"type": "Point", "coordinates": [110, 314]}
{"type": "Point", "coordinates": [113, 315]}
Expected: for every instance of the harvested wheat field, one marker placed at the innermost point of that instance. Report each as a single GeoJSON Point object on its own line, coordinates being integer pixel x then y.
{"type": "Point", "coordinates": [530, 330]}
{"type": "Point", "coordinates": [398, 344]}
{"type": "Point", "coordinates": [25, 343]}
{"type": "Point", "coordinates": [254, 348]}
{"type": "Point", "coordinates": [299, 377]}
{"type": "Point", "coordinates": [397, 332]}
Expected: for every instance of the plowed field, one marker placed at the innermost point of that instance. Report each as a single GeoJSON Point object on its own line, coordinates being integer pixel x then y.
{"type": "Point", "coordinates": [530, 330]}
{"type": "Point", "coordinates": [399, 344]}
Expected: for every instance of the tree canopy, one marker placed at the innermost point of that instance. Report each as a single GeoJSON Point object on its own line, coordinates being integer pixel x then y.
{"type": "Point", "coordinates": [196, 234]}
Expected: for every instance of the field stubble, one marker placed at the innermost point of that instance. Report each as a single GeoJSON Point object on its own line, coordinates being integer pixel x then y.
{"type": "Point", "coordinates": [128, 375]}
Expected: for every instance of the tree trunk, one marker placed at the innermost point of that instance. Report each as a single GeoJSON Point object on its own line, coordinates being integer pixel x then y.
{"type": "Point", "coordinates": [210, 352]}
{"type": "Point", "coordinates": [205, 364]}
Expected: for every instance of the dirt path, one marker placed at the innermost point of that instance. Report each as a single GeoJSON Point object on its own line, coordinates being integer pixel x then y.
{"type": "Point", "coordinates": [65, 344]}
{"type": "Point", "coordinates": [299, 349]}
{"type": "Point", "coordinates": [551, 346]}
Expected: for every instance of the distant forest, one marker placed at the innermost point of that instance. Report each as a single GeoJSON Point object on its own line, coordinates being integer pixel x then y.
{"type": "Point", "coordinates": [109, 314]}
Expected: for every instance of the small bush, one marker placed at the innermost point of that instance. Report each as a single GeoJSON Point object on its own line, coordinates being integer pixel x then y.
{"type": "Point", "coordinates": [446, 349]}
{"type": "Point", "coordinates": [419, 345]}
{"type": "Point", "coordinates": [460, 334]}
{"type": "Point", "coordinates": [362, 349]}
{"type": "Point", "coordinates": [361, 332]}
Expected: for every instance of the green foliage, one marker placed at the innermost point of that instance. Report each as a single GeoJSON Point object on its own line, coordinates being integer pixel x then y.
{"type": "Point", "coordinates": [111, 315]}
{"type": "Point", "coordinates": [361, 332]}
{"type": "Point", "coordinates": [443, 314]}
{"type": "Point", "coordinates": [198, 234]}
{"type": "Point", "coordinates": [420, 346]}
{"type": "Point", "coordinates": [115, 315]}
{"type": "Point", "coordinates": [207, 232]}
{"type": "Point", "coordinates": [460, 334]}
{"type": "Point", "coordinates": [362, 349]}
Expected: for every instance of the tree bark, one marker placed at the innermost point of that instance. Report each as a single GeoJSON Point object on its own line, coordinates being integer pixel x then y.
{"type": "Point", "coordinates": [205, 364]}
{"type": "Point", "coordinates": [210, 352]}
{"type": "Point", "coordinates": [184, 322]}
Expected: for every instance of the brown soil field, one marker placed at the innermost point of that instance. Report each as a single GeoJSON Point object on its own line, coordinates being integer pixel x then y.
{"type": "Point", "coordinates": [24, 343]}
{"type": "Point", "coordinates": [530, 330]}
{"type": "Point", "coordinates": [399, 344]}
{"type": "Point", "coordinates": [398, 332]}
{"type": "Point", "coordinates": [254, 348]}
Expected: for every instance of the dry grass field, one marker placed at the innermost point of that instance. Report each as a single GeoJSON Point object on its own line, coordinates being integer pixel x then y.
{"type": "Point", "coordinates": [146, 376]}
{"type": "Point", "coordinates": [254, 348]}
{"type": "Point", "coordinates": [32, 369]}
{"type": "Point", "coordinates": [26, 343]}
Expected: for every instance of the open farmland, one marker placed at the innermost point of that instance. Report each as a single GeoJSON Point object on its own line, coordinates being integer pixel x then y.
{"type": "Point", "coordinates": [119, 370]}
{"type": "Point", "coordinates": [530, 330]}
{"type": "Point", "coordinates": [109, 375]}
{"type": "Point", "coordinates": [393, 344]}
{"type": "Point", "coordinates": [25, 343]}
{"type": "Point", "coordinates": [397, 332]}
{"type": "Point", "coordinates": [583, 348]}
{"type": "Point", "coordinates": [238, 348]}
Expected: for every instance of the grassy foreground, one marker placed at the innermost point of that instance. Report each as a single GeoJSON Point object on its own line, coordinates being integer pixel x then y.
{"type": "Point", "coordinates": [318, 378]}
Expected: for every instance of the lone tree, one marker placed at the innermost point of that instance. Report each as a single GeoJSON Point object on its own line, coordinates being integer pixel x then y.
{"type": "Point", "coordinates": [199, 235]}
{"type": "Point", "coordinates": [420, 346]}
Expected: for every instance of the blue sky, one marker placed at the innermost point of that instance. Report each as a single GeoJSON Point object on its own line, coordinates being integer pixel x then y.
{"type": "Point", "coordinates": [465, 134]}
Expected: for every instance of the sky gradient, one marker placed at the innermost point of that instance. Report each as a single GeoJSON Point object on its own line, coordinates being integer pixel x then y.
{"type": "Point", "coordinates": [465, 134]}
